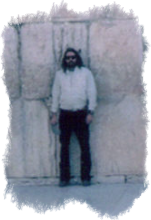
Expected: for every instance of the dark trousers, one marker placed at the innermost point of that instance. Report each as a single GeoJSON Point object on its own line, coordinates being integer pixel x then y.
{"type": "Point", "coordinates": [74, 122]}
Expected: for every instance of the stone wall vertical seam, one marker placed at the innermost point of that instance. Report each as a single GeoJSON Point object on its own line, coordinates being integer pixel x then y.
{"type": "Point", "coordinates": [20, 70]}
{"type": "Point", "coordinates": [18, 30]}
{"type": "Point", "coordinates": [54, 52]}
{"type": "Point", "coordinates": [55, 68]}
{"type": "Point", "coordinates": [88, 45]}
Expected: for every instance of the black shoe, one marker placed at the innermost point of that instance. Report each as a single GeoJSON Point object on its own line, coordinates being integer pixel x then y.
{"type": "Point", "coordinates": [63, 183]}
{"type": "Point", "coordinates": [86, 183]}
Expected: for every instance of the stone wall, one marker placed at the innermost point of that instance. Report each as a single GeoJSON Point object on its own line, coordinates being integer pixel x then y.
{"type": "Point", "coordinates": [112, 49]}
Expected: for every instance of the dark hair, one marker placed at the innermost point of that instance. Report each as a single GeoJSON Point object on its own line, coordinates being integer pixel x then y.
{"type": "Point", "coordinates": [79, 62]}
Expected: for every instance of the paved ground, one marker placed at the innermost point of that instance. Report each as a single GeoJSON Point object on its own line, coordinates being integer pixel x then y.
{"type": "Point", "coordinates": [111, 199]}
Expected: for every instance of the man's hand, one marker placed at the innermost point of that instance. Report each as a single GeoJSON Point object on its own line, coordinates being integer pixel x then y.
{"type": "Point", "coordinates": [89, 118]}
{"type": "Point", "coordinates": [54, 120]}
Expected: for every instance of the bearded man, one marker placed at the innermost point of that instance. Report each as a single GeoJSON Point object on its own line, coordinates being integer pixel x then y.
{"type": "Point", "coordinates": [74, 97]}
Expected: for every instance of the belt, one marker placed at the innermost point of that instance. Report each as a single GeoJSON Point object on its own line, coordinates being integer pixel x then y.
{"type": "Point", "coordinates": [74, 110]}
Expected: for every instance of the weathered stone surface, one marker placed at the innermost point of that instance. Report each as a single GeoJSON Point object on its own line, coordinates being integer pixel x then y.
{"type": "Point", "coordinates": [135, 178]}
{"type": "Point", "coordinates": [43, 46]}
{"type": "Point", "coordinates": [108, 179]}
{"type": "Point", "coordinates": [76, 36]}
{"type": "Point", "coordinates": [16, 153]}
{"type": "Point", "coordinates": [114, 49]}
{"type": "Point", "coordinates": [57, 38]}
{"type": "Point", "coordinates": [116, 57]}
{"type": "Point", "coordinates": [75, 155]}
{"type": "Point", "coordinates": [118, 137]}
{"type": "Point", "coordinates": [76, 180]}
{"type": "Point", "coordinates": [33, 181]}
{"type": "Point", "coordinates": [32, 151]}
{"type": "Point", "coordinates": [11, 62]}
{"type": "Point", "coordinates": [70, 35]}
{"type": "Point", "coordinates": [39, 145]}
{"type": "Point", "coordinates": [38, 60]}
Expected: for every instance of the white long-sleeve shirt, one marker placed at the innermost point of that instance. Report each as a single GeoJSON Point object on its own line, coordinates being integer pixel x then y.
{"type": "Point", "coordinates": [73, 90]}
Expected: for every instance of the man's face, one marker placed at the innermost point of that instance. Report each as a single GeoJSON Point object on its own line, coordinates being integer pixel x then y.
{"type": "Point", "coordinates": [71, 59]}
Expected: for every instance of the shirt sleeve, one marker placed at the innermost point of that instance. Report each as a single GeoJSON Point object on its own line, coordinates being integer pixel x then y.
{"type": "Point", "coordinates": [91, 92]}
{"type": "Point", "coordinates": [55, 94]}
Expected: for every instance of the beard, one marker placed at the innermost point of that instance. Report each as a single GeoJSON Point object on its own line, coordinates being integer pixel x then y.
{"type": "Point", "coordinates": [71, 65]}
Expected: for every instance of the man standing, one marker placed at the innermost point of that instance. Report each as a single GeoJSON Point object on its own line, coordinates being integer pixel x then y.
{"type": "Point", "coordinates": [74, 95]}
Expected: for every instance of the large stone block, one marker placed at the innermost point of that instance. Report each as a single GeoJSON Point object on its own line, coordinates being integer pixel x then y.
{"type": "Point", "coordinates": [135, 179]}
{"type": "Point", "coordinates": [118, 137]}
{"type": "Point", "coordinates": [37, 60]}
{"type": "Point", "coordinates": [16, 154]}
{"type": "Point", "coordinates": [109, 179]}
{"type": "Point", "coordinates": [11, 62]}
{"type": "Point", "coordinates": [32, 152]}
{"type": "Point", "coordinates": [116, 57]}
{"type": "Point", "coordinates": [43, 46]}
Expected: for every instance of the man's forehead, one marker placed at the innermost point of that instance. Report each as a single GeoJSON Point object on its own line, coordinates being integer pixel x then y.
{"type": "Point", "coordinates": [70, 53]}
